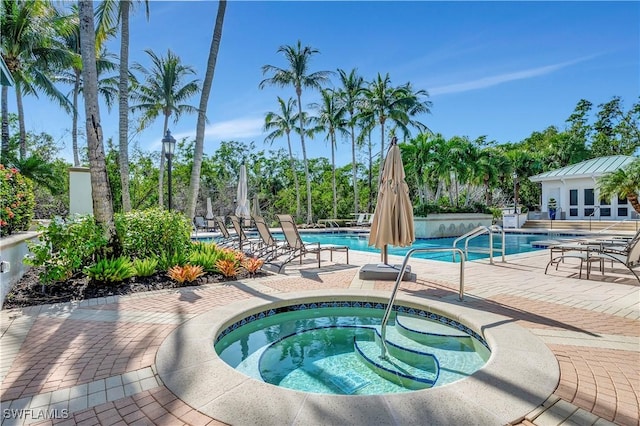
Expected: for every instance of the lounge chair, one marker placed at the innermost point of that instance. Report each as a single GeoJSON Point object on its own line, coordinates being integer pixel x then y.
{"type": "Point", "coordinates": [270, 248]}
{"type": "Point", "coordinates": [298, 248]}
{"type": "Point", "coordinates": [227, 239]}
{"type": "Point", "coordinates": [243, 238]}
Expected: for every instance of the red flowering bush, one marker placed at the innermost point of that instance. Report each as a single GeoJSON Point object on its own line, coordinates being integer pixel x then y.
{"type": "Point", "coordinates": [16, 201]}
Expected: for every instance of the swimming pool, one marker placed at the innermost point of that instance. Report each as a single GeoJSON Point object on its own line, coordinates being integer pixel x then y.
{"type": "Point", "coordinates": [514, 243]}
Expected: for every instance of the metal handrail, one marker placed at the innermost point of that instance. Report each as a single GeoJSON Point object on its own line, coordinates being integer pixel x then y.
{"type": "Point", "coordinates": [476, 232]}
{"type": "Point", "coordinates": [595, 209]}
{"type": "Point", "coordinates": [387, 312]}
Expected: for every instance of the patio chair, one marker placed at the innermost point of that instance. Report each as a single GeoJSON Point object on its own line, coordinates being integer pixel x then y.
{"type": "Point", "coordinates": [270, 248]}
{"type": "Point", "coordinates": [629, 257]}
{"type": "Point", "coordinates": [625, 252]}
{"type": "Point", "coordinates": [252, 242]}
{"type": "Point", "coordinates": [299, 248]}
{"type": "Point", "coordinates": [199, 223]}
{"type": "Point", "coordinates": [227, 239]}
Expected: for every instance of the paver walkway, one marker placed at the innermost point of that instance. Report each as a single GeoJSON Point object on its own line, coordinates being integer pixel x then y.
{"type": "Point", "coordinates": [92, 362]}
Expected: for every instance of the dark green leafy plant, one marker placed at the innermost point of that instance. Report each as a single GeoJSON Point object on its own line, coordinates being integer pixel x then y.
{"type": "Point", "coordinates": [111, 270]}
{"type": "Point", "coordinates": [153, 232]}
{"type": "Point", "coordinates": [17, 201]}
{"type": "Point", "coordinates": [66, 248]}
{"type": "Point", "coordinates": [145, 267]}
{"type": "Point", "coordinates": [167, 261]}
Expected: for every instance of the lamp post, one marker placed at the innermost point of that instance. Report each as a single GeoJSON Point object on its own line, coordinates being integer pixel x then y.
{"type": "Point", "coordinates": [515, 193]}
{"type": "Point", "coordinates": [169, 144]}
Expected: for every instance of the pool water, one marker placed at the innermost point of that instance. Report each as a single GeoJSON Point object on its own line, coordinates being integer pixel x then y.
{"type": "Point", "coordinates": [336, 350]}
{"type": "Point", "coordinates": [514, 243]}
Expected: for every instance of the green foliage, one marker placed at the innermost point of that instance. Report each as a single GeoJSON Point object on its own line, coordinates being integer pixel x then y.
{"type": "Point", "coordinates": [111, 270]}
{"type": "Point", "coordinates": [153, 233]}
{"type": "Point", "coordinates": [16, 201]}
{"type": "Point", "coordinates": [168, 260]}
{"type": "Point", "coordinates": [145, 267]}
{"type": "Point", "coordinates": [67, 247]}
{"type": "Point", "coordinates": [430, 208]}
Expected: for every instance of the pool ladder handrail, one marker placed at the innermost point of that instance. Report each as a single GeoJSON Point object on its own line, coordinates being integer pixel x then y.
{"type": "Point", "coordinates": [394, 292]}
{"type": "Point", "coordinates": [476, 232]}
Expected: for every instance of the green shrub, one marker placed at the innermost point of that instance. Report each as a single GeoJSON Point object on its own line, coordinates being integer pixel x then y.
{"type": "Point", "coordinates": [111, 270]}
{"type": "Point", "coordinates": [17, 201]}
{"type": "Point", "coordinates": [145, 267]}
{"type": "Point", "coordinates": [66, 248]}
{"type": "Point", "coordinates": [153, 233]}
{"type": "Point", "coordinates": [204, 259]}
{"type": "Point", "coordinates": [168, 261]}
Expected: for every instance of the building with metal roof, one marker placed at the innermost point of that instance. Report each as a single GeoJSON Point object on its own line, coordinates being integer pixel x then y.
{"type": "Point", "coordinates": [574, 189]}
{"type": "Point", "coordinates": [5, 76]}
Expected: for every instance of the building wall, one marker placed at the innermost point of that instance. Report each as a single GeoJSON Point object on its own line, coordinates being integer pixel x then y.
{"type": "Point", "coordinates": [80, 193]}
{"type": "Point", "coordinates": [582, 208]}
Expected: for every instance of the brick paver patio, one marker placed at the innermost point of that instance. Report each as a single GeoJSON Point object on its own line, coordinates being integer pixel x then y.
{"type": "Point", "coordinates": [92, 362]}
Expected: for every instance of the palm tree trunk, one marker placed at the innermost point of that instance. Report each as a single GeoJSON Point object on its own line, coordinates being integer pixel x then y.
{"type": "Point", "coordinates": [22, 131]}
{"type": "Point", "coordinates": [101, 193]}
{"type": "Point", "coordinates": [123, 102]}
{"type": "Point", "coordinates": [5, 122]}
{"type": "Point", "coordinates": [333, 177]}
{"type": "Point", "coordinates": [633, 200]}
{"type": "Point", "coordinates": [370, 205]}
{"type": "Point", "coordinates": [295, 175]}
{"type": "Point", "coordinates": [162, 159]}
{"type": "Point", "coordinates": [304, 158]}
{"type": "Point", "coordinates": [382, 120]}
{"type": "Point", "coordinates": [74, 124]}
{"type": "Point", "coordinates": [354, 167]}
{"type": "Point", "coordinates": [194, 183]}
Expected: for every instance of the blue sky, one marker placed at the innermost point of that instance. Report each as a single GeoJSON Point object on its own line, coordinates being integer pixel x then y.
{"type": "Point", "coordinates": [500, 69]}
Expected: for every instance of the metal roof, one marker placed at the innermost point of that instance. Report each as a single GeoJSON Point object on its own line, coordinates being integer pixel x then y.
{"type": "Point", "coordinates": [5, 75]}
{"type": "Point", "coordinates": [595, 167]}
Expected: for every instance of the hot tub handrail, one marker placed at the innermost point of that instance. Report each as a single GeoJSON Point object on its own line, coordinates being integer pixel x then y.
{"type": "Point", "coordinates": [394, 292]}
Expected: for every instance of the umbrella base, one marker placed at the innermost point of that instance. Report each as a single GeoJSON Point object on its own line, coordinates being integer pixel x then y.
{"type": "Point", "coordinates": [383, 272]}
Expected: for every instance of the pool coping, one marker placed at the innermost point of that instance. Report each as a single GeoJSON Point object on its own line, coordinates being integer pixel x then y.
{"type": "Point", "coordinates": [519, 376]}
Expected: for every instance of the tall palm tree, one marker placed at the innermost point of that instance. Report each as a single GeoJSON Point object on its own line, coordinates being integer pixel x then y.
{"type": "Point", "coordinates": [351, 94]}
{"type": "Point", "coordinates": [73, 76]}
{"type": "Point", "coordinates": [298, 76]}
{"type": "Point", "coordinates": [194, 183]}
{"type": "Point", "coordinates": [279, 125]}
{"type": "Point", "coordinates": [31, 50]}
{"type": "Point", "coordinates": [623, 183]}
{"type": "Point", "coordinates": [331, 119]}
{"type": "Point", "coordinates": [110, 12]}
{"type": "Point", "coordinates": [163, 93]}
{"type": "Point", "coordinates": [101, 193]}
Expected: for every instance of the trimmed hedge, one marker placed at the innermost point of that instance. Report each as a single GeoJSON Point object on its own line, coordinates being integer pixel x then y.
{"type": "Point", "coordinates": [17, 201]}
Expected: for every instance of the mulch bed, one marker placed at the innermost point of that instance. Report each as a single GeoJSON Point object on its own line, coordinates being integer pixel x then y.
{"type": "Point", "coordinates": [29, 291]}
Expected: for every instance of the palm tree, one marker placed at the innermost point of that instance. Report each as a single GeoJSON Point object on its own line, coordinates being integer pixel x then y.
{"type": "Point", "coordinates": [281, 125]}
{"type": "Point", "coordinates": [102, 202]}
{"type": "Point", "coordinates": [110, 13]}
{"type": "Point", "coordinates": [623, 183]}
{"type": "Point", "coordinates": [73, 76]}
{"type": "Point", "coordinates": [163, 92]}
{"type": "Point", "coordinates": [351, 95]}
{"type": "Point", "coordinates": [194, 183]}
{"type": "Point", "coordinates": [298, 76]}
{"type": "Point", "coordinates": [330, 119]}
{"type": "Point", "coordinates": [31, 50]}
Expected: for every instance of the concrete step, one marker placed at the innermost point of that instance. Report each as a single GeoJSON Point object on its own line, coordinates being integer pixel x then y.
{"type": "Point", "coordinates": [628, 226]}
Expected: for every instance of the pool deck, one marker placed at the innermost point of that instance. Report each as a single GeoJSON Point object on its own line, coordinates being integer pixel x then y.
{"type": "Point", "coordinates": [94, 362]}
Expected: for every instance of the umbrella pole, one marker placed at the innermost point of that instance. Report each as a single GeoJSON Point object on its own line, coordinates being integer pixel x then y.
{"type": "Point", "coordinates": [384, 254]}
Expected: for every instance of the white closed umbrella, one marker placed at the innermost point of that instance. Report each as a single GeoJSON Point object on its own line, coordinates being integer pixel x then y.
{"type": "Point", "coordinates": [209, 215]}
{"type": "Point", "coordinates": [243, 210]}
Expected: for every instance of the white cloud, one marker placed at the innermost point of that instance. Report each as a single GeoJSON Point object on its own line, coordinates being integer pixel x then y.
{"type": "Point", "coordinates": [502, 78]}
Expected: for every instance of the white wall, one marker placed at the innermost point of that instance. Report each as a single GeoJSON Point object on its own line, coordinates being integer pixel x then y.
{"type": "Point", "coordinates": [80, 194]}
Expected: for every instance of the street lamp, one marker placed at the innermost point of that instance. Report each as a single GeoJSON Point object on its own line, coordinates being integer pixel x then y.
{"type": "Point", "coordinates": [169, 144]}
{"type": "Point", "coordinates": [515, 193]}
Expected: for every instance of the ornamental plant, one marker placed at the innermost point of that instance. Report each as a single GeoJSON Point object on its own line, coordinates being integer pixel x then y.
{"type": "Point", "coordinates": [145, 267]}
{"type": "Point", "coordinates": [153, 233]}
{"type": "Point", "coordinates": [17, 201]}
{"type": "Point", "coordinates": [185, 274]}
{"type": "Point", "coordinates": [65, 248]}
{"type": "Point", "coordinates": [111, 270]}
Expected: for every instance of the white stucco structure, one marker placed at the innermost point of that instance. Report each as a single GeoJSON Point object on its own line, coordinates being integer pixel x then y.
{"type": "Point", "coordinates": [80, 194]}
{"type": "Point", "coordinates": [575, 190]}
